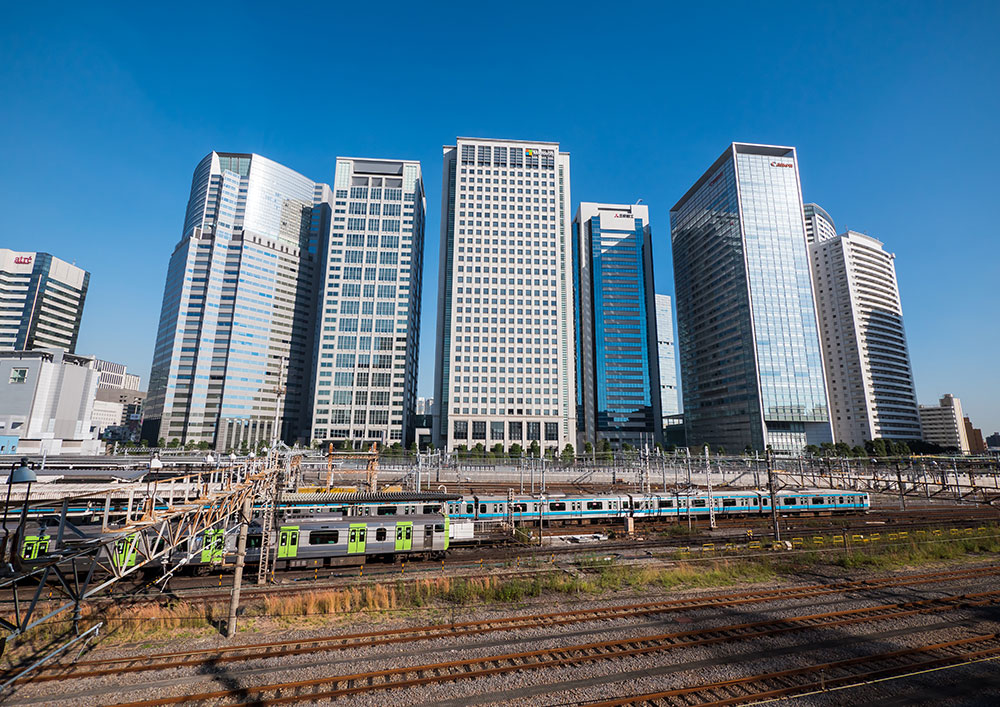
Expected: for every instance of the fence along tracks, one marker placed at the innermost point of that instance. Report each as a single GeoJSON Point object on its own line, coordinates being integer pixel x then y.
{"type": "Point", "coordinates": [215, 656]}
{"type": "Point", "coordinates": [379, 680]}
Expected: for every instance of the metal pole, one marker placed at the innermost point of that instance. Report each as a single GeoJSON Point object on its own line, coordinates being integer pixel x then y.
{"type": "Point", "coordinates": [241, 555]}
{"type": "Point", "coordinates": [899, 481]}
{"type": "Point", "coordinates": [711, 503]}
{"type": "Point", "coordinates": [770, 488]}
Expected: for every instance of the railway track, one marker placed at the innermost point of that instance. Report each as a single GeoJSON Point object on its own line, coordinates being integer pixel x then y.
{"type": "Point", "coordinates": [822, 677]}
{"type": "Point", "coordinates": [164, 661]}
{"type": "Point", "coordinates": [337, 686]}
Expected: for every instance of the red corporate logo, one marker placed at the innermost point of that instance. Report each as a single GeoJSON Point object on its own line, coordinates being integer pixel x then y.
{"type": "Point", "coordinates": [23, 260]}
{"type": "Point", "coordinates": [782, 164]}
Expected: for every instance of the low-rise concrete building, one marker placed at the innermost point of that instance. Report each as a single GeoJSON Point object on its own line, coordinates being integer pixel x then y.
{"type": "Point", "coordinates": [47, 402]}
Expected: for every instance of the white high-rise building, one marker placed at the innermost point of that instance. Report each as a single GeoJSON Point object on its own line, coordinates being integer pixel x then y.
{"type": "Point", "coordinates": [868, 373]}
{"type": "Point", "coordinates": [944, 424]}
{"type": "Point", "coordinates": [505, 371]}
{"type": "Point", "coordinates": [819, 225]}
{"type": "Point", "coordinates": [41, 301]}
{"type": "Point", "coordinates": [667, 355]}
{"type": "Point", "coordinates": [368, 334]}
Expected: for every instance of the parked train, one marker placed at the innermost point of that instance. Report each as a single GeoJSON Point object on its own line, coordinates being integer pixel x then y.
{"type": "Point", "coordinates": [316, 540]}
{"type": "Point", "coordinates": [610, 507]}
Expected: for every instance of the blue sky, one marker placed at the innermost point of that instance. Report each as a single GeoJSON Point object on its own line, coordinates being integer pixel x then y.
{"type": "Point", "coordinates": [893, 108]}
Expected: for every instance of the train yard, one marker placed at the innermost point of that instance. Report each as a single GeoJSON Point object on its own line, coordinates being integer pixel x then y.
{"type": "Point", "coordinates": [583, 593]}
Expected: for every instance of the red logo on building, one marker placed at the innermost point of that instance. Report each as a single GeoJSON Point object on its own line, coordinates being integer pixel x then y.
{"type": "Point", "coordinates": [23, 260]}
{"type": "Point", "coordinates": [782, 164]}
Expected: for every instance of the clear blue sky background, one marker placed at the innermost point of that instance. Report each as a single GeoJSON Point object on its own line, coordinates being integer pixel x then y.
{"type": "Point", "coordinates": [892, 106]}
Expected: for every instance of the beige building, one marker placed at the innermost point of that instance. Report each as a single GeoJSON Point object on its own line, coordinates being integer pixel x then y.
{"type": "Point", "coordinates": [944, 424]}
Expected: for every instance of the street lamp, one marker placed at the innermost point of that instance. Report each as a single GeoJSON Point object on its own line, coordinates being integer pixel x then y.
{"type": "Point", "coordinates": [23, 474]}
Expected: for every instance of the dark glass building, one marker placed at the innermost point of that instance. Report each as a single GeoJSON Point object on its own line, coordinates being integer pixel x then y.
{"type": "Point", "coordinates": [751, 367]}
{"type": "Point", "coordinates": [618, 382]}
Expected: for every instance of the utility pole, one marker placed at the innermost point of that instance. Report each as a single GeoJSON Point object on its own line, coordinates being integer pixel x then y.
{"type": "Point", "coordinates": [241, 555]}
{"type": "Point", "coordinates": [770, 487]}
{"type": "Point", "coordinates": [899, 482]}
{"type": "Point", "coordinates": [711, 502]}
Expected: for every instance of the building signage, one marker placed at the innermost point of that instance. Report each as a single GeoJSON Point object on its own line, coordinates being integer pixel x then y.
{"type": "Point", "coordinates": [782, 164]}
{"type": "Point", "coordinates": [617, 221]}
{"type": "Point", "coordinates": [23, 260]}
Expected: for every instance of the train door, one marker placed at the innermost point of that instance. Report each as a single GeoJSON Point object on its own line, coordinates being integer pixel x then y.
{"type": "Point", "coordinates": [125, 551]}
{"type": "Point", "coordinates": [288, 541]}
{"type": "Point", "coordinates": [34, 545]}
{"type": "Point", "coordinates": [356, 540]}
{"type": "Point", "coordinates": [429, 536]}
{"type": "Point", "coordinates": [213, 546]}
{"type": "Point", "coordinates": [404, 536]}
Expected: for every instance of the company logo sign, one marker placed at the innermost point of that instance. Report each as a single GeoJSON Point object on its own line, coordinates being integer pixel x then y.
{"type": "Point", "coordinates": [782, 164]}
{"type": "Point", "coordinates": [23, 260]}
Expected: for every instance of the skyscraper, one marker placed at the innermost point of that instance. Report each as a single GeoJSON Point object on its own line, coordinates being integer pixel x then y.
{"type": "Point", "coordinates": [41, 301]}
{"type": "Point", "coordinates": [617, 382]}
{"type": "Point", "coordinates": [505, 361]}
{"type": "Point", "coordinates": [751, 365]}
{"type": "Point", "coordinates": [235, 342]}
{"type": "Point", "coordinates": [369, 325]}
{"type": "Point", "coordinates": [868, 374]}
{"type": "Point", "coordinates": [667, 355]}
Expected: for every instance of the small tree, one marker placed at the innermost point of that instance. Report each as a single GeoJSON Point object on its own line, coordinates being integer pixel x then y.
{"type": "Point", "coordinates": [174, 443]}
{"type": "Point", "coordinates": [479, 450]}
{"type": "Point", "coordinates": [161, 442]}
{"type": "Point", "coordinates": [568, 454]}
{"type": "Point", "coordinates": [534, 450]}
{"type": "Point", "coordinates": [203, 445]}
{"type": "Point", "coordinates": [516, 451]}
{"type": "Point", "coordinates": [497, 450]}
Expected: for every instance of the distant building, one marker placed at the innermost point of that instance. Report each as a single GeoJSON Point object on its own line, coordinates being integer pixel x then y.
{"type": "Point", "coordinates": [993, 441]}
{"type": "Point", "coordinates": [47, 402]}
{"type": "Point", "coordinates": [425, 406]}
{"type": "Point", "coordinates": [116, 375]}
{"type": "Point", "coordinates": [667, 354]}
{"type": "Point", "coordinates": [977, 445]}
{"type": "Point", "coordinates": [41, 301]}
{"type": "Point", "coordinates": [868, 373]}
{"type": "Point", "coordinates": [106, 413]}
{"type": "Point", "coordinates": [944, 424]}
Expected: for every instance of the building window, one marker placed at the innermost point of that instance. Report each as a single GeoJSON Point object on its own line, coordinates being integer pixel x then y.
{"type": "Point", "coordinates": [461, 429]}
{"type": "Point", "coordinates": [19, 375]}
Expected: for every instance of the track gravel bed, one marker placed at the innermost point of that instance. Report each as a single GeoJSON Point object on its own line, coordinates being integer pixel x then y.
{"type": "Point", "coordinates": [601, 679]}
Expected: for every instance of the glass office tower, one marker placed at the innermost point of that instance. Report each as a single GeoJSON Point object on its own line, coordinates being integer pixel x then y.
{"type": "Point", "coordinates": [618, 378]}
{"type": "Point", "coordinates": [234, 346]}
{"type": "Point", "coordinates": [751, 365]}
{"type": "Point", "coordinates": [369, 325]}
{"type": "Point", "coordinates": [667, 356]}
{"type": "Point", "coordinates": [41, 301]}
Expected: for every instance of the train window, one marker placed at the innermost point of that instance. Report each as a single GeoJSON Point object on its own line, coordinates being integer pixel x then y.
{"type": "Point", "coordinates": [595, 505]}
{"type": "Point", "coordinates": [380, 535]}
{"type": "Point", "coordinates": [817, 501]}
{"type": "Point", "coordinates": [520, 507]}
{"type": "Point", "coordinates": [428, 531]}
{"type": "Point", "coordinates": [560, 506]}
{"type": "Point", "coordinates": [431, 509]}
{"type": "Point", "coordinates": [698, 503]}
{"type": "Point", "coordinates": [439, 527]}
{"type": "Point", "coordinates": [387, 510]}
{"type": "Point", "coordinates": [409, 532]}
{"type": "Point", "coordinates": [788, 501]}
{"type": "Point", "coordinates": [399, 532]}
{"type": "Point", "coordinates": [482, 507]}
{"type": "Point", "coordinates": [766, 502]}
{"type": "Point", "coordinates": [666, 504]}
{"type": "Point", "coordinates": [253, 541]}
{"type": "Point", "coordinates": [324, 537]}
{"type": "Point", "coordinates": [354, 535]}
{"type": "Point", "coordinates": [753, 501]}
{"type": "Point", "coordinates": [470, 508]}
{"type": "Point", "coordinates": [361, 534]}
{"type": "Point", "coordinates": [841, 499]}
{"type": "Point", "coordinates": [729, 502]}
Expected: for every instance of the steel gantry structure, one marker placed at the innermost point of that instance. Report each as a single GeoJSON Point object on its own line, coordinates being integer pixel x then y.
{"type": "Point", "coordinates": [141, 525]}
